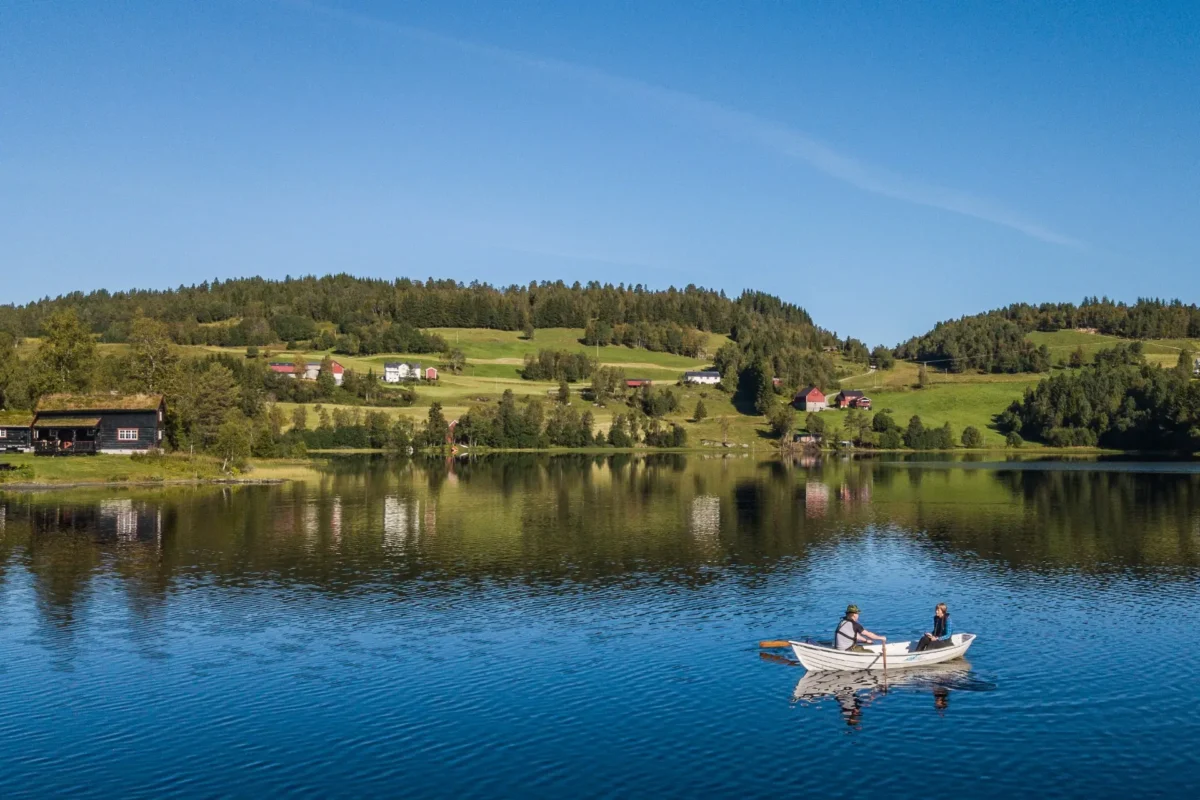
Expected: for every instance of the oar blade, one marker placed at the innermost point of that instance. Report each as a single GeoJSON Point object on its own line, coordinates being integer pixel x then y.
{"type": "Point", "coordinates": [768, 644]}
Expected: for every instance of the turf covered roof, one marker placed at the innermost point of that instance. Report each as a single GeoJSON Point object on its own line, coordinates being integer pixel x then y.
{"type": "Point", "coordinates": [68, 422]}
{"type": "Point", "coordinates": [100, 402]}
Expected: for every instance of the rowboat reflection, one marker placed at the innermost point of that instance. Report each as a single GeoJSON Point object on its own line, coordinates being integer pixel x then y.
{"type": "Point", "coordinates": [854, 691]}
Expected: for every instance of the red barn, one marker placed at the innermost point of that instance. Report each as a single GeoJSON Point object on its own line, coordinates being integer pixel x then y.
{"type": "Point", "coordinates": [810, 398]}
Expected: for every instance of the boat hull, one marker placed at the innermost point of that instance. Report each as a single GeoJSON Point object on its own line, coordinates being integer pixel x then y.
{"type": "Point", "coordinates": [900, 655]}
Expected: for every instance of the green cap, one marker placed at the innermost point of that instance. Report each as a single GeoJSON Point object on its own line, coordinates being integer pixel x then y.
{"type": "Point", "coordinates": [852, 609]}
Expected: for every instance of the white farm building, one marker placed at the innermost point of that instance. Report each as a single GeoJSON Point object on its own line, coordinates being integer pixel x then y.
{"type": "Point", "coordinates": [705, 377]}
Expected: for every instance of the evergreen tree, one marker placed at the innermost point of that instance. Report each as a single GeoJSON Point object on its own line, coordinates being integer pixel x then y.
{"type": "Point", "coordinates": [946, 437]}
{"type": "Point", "coordinates": [1186, 365]}
{"type": "Point", "coordinates": [326, 382]}
{"type": "Point", "coordinates": [700, 413]}
{"type": "Point", "coordinates": [436, 427]}
{"type": "Point", "coordinates": [205, 404]}
{"type": "Point", "coordinates": [914, 435]}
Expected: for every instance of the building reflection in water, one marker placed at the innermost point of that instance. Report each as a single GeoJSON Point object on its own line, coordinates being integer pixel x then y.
{"type": "Point", "coordinates": [431, 517]}
{"type": "Point", "coordinates": [705, 517]}
{"type": "Point", "coordinates": [311, 522]}
{"type": "Point", "coordinates": [335, 519]}
{"type": "Point", "coordinates": [118, 519]}
{"type": "Point", "coordinates": [816, 499]}
{"type": "Point", "coordinates": [400, 521]}
{"type": "Point", "coordinates": [855, 495]}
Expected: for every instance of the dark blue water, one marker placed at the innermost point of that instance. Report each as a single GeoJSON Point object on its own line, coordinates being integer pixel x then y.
{"type": "Point", "coordinates": [541, 627]}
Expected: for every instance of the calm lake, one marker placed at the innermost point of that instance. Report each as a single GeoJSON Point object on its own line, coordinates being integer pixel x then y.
{"type": "Point", "coordinates": [548, 626]}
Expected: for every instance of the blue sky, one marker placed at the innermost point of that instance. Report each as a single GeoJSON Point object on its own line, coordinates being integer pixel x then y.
{"type": "Point", "coordinates": [883, 165]}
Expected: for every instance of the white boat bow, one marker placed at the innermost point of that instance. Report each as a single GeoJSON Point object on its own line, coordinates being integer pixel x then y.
{"type": "Point", "coordinates": [900, 655]}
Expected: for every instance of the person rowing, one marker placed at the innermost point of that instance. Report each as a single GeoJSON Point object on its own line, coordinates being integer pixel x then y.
{"type": "Point", "coordinates": [850, 634]}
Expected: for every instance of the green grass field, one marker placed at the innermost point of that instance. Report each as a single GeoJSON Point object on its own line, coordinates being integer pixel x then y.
{"type": "Point", "coordinates": [1164, 352]}
{"type": "Point", "coordinates": [113, 468]}
{"type": "Point", "coordinates": [960, 404]}
{"type": "Point", "coordinates": [177, 467]}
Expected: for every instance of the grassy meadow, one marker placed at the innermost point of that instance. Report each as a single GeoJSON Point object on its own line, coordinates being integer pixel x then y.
{"type": "Point", "coordinates": [151, 469]}
{"type": "Point", "coordinates": [1164, 352]}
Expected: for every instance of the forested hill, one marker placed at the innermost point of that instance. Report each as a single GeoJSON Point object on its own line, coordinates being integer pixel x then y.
{"type": "Point", "coordinates": [995, 341]}
{"type": "Point", "coordinates": [383, 315]}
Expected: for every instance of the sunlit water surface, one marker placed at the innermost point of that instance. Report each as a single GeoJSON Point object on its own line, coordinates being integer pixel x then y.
{"type": "Point", "coordinates": [536, 626]}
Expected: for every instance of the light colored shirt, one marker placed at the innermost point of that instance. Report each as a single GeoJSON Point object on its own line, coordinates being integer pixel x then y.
{"type": "Point", "coordinates": [847, 634]}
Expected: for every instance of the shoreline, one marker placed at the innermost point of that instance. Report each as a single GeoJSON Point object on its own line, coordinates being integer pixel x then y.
{"type": "Point", "coordinates": [274, 472]}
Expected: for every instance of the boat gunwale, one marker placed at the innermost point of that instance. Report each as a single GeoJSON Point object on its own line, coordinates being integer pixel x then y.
{"type": "Point", "coordinates": [871, 658]}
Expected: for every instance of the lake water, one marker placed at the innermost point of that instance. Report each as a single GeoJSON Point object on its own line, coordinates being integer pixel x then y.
{"type": "Point", "coordinates": [551, 626]}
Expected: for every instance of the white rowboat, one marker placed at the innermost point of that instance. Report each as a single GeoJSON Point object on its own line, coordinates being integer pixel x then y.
{"type": "Point", "coordinates": [900, 655]}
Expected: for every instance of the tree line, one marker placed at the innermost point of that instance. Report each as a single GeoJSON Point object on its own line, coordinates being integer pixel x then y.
{"type": "Point", "coordinates": [1119, 402]}
{"type": "Point", "coordinates": [881, 431]}
{"type": "Point", "coordinates": [995, 341]}
{"type": "Point", "coordinates": [259, 311]}
{"type": "Point", "coordinates": [526, 423]}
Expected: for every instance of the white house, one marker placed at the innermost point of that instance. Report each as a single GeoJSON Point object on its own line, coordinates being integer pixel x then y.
{"type": "Point", "coordinates": [706, 377]}
{"type": "Point", "coordinates": [399, 371]}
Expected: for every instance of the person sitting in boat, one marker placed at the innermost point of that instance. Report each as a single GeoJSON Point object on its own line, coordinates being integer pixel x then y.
{"type": "Point", "coordinates": [850, 634]}
{"type": "Point", "coordinates": [940, 635]}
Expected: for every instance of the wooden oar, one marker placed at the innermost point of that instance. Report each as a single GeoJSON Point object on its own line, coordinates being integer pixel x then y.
{"type": "Point", "coordinates": [768, 644]}
{"type": "Point", "coordinates": [883, 650]}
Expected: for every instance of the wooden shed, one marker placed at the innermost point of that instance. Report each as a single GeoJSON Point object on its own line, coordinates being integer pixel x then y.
{"type": "Point", "coordinates": [16, 431]}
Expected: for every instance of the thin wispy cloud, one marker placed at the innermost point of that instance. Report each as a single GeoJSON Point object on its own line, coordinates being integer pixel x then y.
{"type": "Point", "coordinates": [774, 136]}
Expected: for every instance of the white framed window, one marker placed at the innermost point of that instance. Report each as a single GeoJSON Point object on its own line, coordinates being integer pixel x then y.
{"type": "Point", "coordinates": [160, 436]}
{"type": "Point", "coordinates": [127, 434]}
{"type": "Point", "coordinates": [3, 433]}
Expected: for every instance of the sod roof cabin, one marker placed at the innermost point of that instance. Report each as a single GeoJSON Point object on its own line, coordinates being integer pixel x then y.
{"type": "Point", "coordinates": [85, 424]}
{"type": "Point", "coordinates": [16, 435]}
